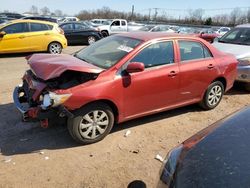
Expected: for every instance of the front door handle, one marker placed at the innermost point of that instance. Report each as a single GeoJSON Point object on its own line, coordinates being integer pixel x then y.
{"type": "Point", "coordinates": [172, 74]}
{"type": "Point", "coordinates": [21, 37]}
{"type": "Point", "coordinates": [46, 33]}
{"type": "Point", "coordinates": [210, 66]}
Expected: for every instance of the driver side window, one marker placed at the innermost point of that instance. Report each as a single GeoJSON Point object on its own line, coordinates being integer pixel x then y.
{"type": "Point", "coordinates": [160, 53]}
{"type": "Point", "coordinates": [16, 28]}
{"type": "Point", "coordinates": [116, 23]}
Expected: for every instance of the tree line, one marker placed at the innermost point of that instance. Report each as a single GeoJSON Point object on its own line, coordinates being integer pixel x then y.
{"type": "Point", "coordinates": [194, 17]}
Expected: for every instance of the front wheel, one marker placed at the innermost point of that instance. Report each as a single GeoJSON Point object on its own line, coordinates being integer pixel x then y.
{"type": "Point", "coordinates": [247, 86]}
{"type": "Point", "coordinates": [91, 123]}
{"type": "Point", "coordinates": [55, 48]}
{"type": "Point", "coordinates": [212, 96]}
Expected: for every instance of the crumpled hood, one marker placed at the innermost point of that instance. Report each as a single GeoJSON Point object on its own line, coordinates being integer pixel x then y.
{"type": "Point", "coordinates": [239, 51]}
{"type": "Point", "coordinates": [48, 66]}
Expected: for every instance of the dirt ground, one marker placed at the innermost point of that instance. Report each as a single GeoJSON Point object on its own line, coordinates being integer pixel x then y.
{"type": "Point", "coordinates": [31, 156]}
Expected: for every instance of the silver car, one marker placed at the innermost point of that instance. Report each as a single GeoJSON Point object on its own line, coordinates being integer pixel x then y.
{"type": "Point", "coordinates": [237, 42]}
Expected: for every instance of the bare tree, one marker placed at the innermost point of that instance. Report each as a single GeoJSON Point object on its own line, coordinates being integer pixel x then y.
{"type": "Point", "coordinates": [33, 10]}
{"type": "Point", "coordinates": [248, 15]}
{"type": "Point", "coordinates": [234, 16]}
{"type": "Point", "coordinates": [196, 15]}
{"type": "Point", "coordinates": [58, 12]}
{"type": "Point", "coordinates": [45, 11]}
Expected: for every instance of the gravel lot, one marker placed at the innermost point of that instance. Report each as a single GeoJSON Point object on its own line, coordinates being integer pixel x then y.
{"type": "Point", "coordinates": [31, 156]}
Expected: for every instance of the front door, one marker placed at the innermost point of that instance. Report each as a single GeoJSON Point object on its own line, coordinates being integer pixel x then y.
{"type": "Point", "coordinates": [155, 88]}
{"type": "Point", "coordinates": [15, 39]}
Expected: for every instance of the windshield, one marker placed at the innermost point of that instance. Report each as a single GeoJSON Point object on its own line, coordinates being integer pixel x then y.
{"type": "Point", "coordinates": [108, 51]}
{"type": "Point", "coordinates": [3, 24]}
{"type": "Point", "coordinates": [147, 28]}
{"type": "Point", "coordinates": [237, 36]}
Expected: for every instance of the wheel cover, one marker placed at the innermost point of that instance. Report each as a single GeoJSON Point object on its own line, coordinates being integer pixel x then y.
{"type": "Point", "coordinates": [55, 48]}
{"type": "Point", "coordinates": [91, 40]}
{"type": "Point", "coordinates": [214, 95]}
{"type": "Point", "coordinates": [94, 124]}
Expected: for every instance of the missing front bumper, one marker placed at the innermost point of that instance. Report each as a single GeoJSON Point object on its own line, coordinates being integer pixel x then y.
{"type": "Point", "coordinates": [36, 113]}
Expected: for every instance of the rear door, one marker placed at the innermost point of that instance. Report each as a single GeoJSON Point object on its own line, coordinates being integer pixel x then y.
{"type": "Point", "coordinates": [15, 39]}
{"type": "Point", "coordinates": [156, 87]}
{"type": "Point", "coordinates": [39, 36]}
{"type": "Point", "coordinates": [197, 69]}
{"type": "Point", "coordinates": [80, 33]}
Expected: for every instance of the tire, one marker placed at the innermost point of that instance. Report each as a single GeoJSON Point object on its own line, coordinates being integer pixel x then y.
{"type": "Point", "coordinates": [212, 96]}
{"type": "Point", "coordinates": [104, 33]}
{"type": "Point", "coordinates": [55, 48]}
{"type": "Point", "coordinates": [86, 129]}
{"type": "Point", "coordinates": [247, 86]}
{"type": "Point", "coordinates": [91, 40]}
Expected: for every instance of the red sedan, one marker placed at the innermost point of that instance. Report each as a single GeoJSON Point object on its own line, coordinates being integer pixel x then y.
{"type": "Point", "coordinates": [208, 34]}
{"type": "Point", "coordinates": [123, 77]}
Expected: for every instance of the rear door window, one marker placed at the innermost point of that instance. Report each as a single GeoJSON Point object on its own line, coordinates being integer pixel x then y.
{"type": "Point", "coordinates": [80, 27]}
{"type": "Point", "coordinates": [190, 50]}
{"type": "Point", "coordinates": [38, 27]}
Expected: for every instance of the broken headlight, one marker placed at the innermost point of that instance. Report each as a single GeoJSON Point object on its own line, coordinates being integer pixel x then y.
{"type": "Point", "coordinates": [53, 99]}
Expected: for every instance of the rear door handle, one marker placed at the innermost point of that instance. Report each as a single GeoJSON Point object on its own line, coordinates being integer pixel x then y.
{"type": "Point", "coordinates": [21, 37]}
{"type": "Point", "coordinates": [172, 74]}
{"type": "Point", "coordinates": [210, 66]}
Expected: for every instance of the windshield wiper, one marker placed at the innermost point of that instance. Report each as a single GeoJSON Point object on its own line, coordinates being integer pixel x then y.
{"type": "Point", "coordinates": [75, 55]}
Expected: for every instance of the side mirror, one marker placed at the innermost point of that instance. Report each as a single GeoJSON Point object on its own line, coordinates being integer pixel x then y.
{"type": "Point", "coordinates": [216, 39]}
{"type": "Point", "coordinates": [135, 67]}
{"type": "Point", "coordinates": [201, 33]}
{"type": "Point", "coordinates": [2, 33]}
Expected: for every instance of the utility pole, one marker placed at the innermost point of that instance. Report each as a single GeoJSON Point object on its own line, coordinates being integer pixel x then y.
{"type": "Point", "coordinates": [132, 15]}
{"type": "Point", "coordinates": [149, 15]}
{"type": "Point", "coordinates": [156, 12]}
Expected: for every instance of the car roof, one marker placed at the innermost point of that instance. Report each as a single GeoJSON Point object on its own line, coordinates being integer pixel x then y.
{"type": "Point", "coordinates": [146, 36]}
{"type": "Point", "coordinates": [30, 21]}
{"type": "Point", "coordinates": [72, 22]}
{"type": "Point", "coordinates": [244, 25]}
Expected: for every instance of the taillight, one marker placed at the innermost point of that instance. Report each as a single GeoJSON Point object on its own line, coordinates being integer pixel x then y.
{"type": "Point", "coordinates": [244, 61]}
{"type": "Point", "coordinates": [60, 30]}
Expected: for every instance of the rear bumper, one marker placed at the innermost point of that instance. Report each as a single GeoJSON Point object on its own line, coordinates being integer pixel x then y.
{"type": "Point", "coordinates": [36, 113]}
{"type": "Point", "coordinates": [243, 74]}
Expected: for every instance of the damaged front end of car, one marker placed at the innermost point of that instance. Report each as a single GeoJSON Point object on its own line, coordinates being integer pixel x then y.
{"type": "Point", "coordinates": [39, 100]}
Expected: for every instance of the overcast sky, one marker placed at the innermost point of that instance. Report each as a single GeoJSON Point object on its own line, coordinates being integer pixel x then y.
{"type": "Point", "coordinates": [72, 7]}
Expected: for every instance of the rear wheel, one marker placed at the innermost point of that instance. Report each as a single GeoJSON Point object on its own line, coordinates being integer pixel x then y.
{"type": "Point", "coordinates": [212, 96]}
{"type": "Point", "coordinates": [91, 123]}
{"type": "Point", "coordinates": [55, 48]}
{"type": "Point", "coordinates": [91, 40]}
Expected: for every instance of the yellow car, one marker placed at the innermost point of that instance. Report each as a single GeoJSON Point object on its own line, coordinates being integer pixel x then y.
{"type": "Point", "coordinates": [31, 36]}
